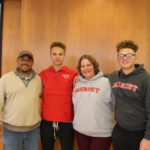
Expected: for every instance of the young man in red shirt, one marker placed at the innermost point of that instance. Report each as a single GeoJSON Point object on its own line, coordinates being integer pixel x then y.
{"type": "Point", "coordinates": [57, 111]}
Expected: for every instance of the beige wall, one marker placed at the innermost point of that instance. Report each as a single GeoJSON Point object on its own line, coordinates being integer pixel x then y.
{"type": "Point", "coordinates": [85, 26]}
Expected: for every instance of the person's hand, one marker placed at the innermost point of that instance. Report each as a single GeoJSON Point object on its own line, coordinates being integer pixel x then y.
{"type": "Point", "coordinates": [145, 144]}
{"type": "Point", "coordinates": [76, 79]}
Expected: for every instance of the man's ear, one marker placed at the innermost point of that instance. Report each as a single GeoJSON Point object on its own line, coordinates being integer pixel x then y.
{"type": "Point", "coordinates": [136, 58]}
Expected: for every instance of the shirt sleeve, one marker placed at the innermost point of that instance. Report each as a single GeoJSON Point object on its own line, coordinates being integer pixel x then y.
{"type": "Point", "coordinates": [147, 107]}
{"type": "Point", "coordinates": [2, 97]}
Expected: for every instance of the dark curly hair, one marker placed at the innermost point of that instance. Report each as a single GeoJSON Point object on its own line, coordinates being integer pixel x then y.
{"type": "Point", "coordinates": [92, 61]}
{"type": "Point", "coordinates": [127, 44]}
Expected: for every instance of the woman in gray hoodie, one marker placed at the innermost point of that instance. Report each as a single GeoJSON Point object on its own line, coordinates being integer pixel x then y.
{"type": "Point", "coordinates": [93, 106]}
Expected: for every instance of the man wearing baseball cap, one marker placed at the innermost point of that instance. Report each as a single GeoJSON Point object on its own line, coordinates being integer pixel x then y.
{"type": "Point", "coordinates": [20, 92]}
{"type": "Point", "coordinates": [25, 53]}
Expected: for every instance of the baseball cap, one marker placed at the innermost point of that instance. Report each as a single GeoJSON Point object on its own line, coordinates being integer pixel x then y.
{"type": "Point", "coordinates": [23, 53]}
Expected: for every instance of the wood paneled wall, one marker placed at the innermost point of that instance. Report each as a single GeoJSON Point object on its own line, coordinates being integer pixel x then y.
{"type": "Point", "coordinates": [85, 26]}
{"type": "Point", "coordinates": [11, 34]}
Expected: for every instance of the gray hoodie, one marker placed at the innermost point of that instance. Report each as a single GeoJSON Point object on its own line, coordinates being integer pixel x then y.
{"type": "Point", "coordinates": [92, 100]}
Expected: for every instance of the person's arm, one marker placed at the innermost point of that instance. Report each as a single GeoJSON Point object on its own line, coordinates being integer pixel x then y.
{"type": "Point", "coordinates": [2, 97]}
{"type": "Point", "coordinates": [76, 78]}
{"type": "Point", "coordinates": [145, 142]}
{"type": "Point", "coordinates": [1, 130]}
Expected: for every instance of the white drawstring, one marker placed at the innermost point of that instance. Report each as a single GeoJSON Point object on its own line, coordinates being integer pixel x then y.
{"type": "Point", "coordinates": [56, 128]}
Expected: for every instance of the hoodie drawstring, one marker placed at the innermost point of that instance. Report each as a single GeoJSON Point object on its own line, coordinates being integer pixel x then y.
{"type": "Point", "coordinates": [56, 128]}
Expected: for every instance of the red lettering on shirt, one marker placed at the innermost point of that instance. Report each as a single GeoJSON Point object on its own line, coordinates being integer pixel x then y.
{"type": "Point", "coordinates": [87, 89]}
{"type": "Point", "coordinates": [124, 85]}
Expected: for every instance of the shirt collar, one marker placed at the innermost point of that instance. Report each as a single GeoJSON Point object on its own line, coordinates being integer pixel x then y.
{"type": "Point", "coordinates": [29, 77]}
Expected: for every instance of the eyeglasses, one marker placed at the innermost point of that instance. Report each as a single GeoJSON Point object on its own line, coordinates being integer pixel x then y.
{"type": "Point", "coordinates": [126, 56]}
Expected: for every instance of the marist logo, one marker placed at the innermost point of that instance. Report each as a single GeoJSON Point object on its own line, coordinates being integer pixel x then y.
{"type": "Point", "coordinates": [127, 86]}
{"type": "Point", "coordinates": [65, 76]}
{"type": "Point", "coordinates": [87, 89]}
